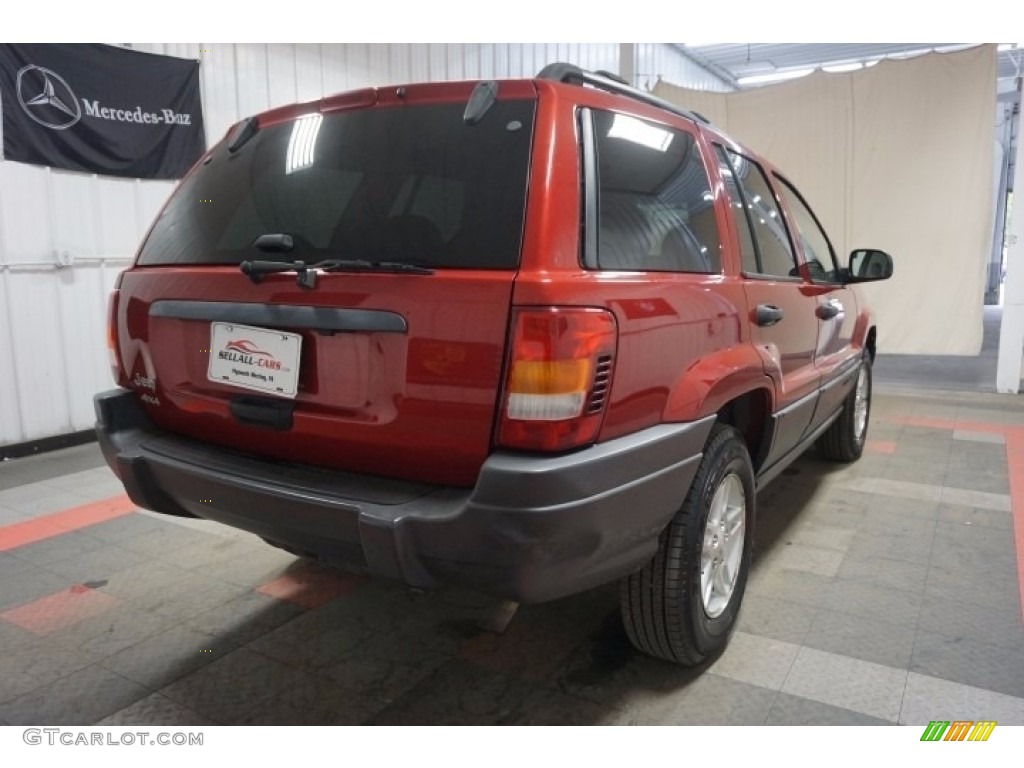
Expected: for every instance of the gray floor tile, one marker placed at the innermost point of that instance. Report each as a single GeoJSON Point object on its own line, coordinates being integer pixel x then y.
{"type": "Point", "coordinates": [929, 698]}
{"type": "Point", "coordinates": [902, 489]}
{"type": "Point", "coordinates": [873, 601]}
{"type": "Point", "coordinates": [81, 698]}
{"type": "Point", "coordinates": [232, 687]}
{"type": "Point", "coordinates": [899, 522]}
{"type": "Point", "coordinates": [14, 638]}
{"type": "Point", "coordinates": [865, 687]}
{"type": "Point", "coordinates": [997, 590]}
{"type": "Point", "coordinates": [29, 584]}
{"type": "Point", "coordinates": [215, 549]}
{"type": "Point", "coordinates": [244, 618]}
{"type": "Point", "coordinates": [74, 480]}
{"type": "Point", "coordinates": [15, 684]}
{"type": "Point", "coordinates": [314, 701]}
{"type": "Point", "coordinates": [778, 619]}
{"type": "Point", "coordinates": [885, 572]}
{"type": "Point", "coordinates": [983, 539]}
{"type": "Point", "coordinates": [981, 437]}
{"type": "Point", "coordinates": [876, 542]}
{"type": "Point", "coordinates": [311, 641]}
{"type": "Point", "coordinates": [166, 657]}
{"type": "Point", "coordinates": [170, 592]}
{"type": "Point", "coordinates": [996, 483]}
{"type": "Point", "coordinates": [10, 516]}
{"type": "Point", "coordinates": [926, 473]}
{"type": "Point", "coordinates": [39, 499]}
{"type": "Point", "coordinates": [55, 548]}
{"type": "Point", "coordinates": [999, 502]}
{"type": "Point", "coordinates": [546, 707]}
{"type": "Point", "coordinates": [796, 710]}
{"type": "Point", "coordinates": [972, 621]}
{"type": "Point", "coordinates": [971, 662]}
{"type": "Point", "coordinates": [884, 509]}
{"type": "Point", "coordinates": [11, 566]}
{"type": "Point", "coordinates": [973, 560]}
{"type": "Point", "coordinates": [801, 558]}
{"type": "Point", "coordinates": [97, 564]}
{"type": "Point", "coordinates": [164, 542]}
{"type": "Point", "coordinates": [147, 578]}
{"type": "Point", "coordinates": [125, 527]}
{"type": "Point", "coordinates": [715, 700]}
{"type": "Point", "coordinates": [952, 513]}
{"type": "Point", "coordinates": [804, 588]}
{"type": "Point", "coordinates": [607, 669]}
{"type": "Point", "coordinates": [43, 662]}
{"type": "Point", "coordinates": [457, 694]}
{"type": "Point", "coordinates": [816, 534]}
{"type": "Point", "coordinates": [114, 631]}
{"type": "Point", "coordinates": [862, 637]}
{"type": "Point", "coordinates": [260, 566]}
{"type": "Point", "coordinates": [756, 660]}
{"type": "Point", "coordinates": [155, 710]}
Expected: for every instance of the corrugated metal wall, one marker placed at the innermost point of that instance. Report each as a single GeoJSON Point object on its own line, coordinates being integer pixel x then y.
{"type": "Point", "coordinates": [52, 355]}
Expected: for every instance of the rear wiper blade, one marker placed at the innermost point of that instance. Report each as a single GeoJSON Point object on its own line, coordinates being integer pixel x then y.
{"type": "Point", "coordinates": [361, 265]}
{"type": "Point", "coordinates": [306, 273]}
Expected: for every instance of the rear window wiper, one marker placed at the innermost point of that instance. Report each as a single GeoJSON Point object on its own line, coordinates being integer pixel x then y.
{"type": "Point", "coordinates": [306, 273]}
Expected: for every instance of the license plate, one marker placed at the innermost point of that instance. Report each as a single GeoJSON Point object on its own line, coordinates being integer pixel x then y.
{"type": "Point", "coordinates": [254, 358]}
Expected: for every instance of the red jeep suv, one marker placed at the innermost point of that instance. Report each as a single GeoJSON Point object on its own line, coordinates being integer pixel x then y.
{"type": "Point", "coordinates": [525, 336]}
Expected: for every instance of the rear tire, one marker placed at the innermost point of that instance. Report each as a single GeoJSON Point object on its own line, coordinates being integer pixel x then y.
{"type": "Point", "coordinates": [844, 440]}
{"type": "Point", "coordinates": [683, 605]}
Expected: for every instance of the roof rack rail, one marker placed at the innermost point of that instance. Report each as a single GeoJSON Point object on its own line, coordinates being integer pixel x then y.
{"type": "Point", "coordinates": [563, 72]}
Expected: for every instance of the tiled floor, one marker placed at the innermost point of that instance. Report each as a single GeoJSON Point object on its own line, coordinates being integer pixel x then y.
{"type": "Point", "coordinates": [883, 592]}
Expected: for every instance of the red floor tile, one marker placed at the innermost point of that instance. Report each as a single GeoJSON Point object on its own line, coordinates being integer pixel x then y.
{"type": "Point", "coordinates": [48, 526]}
{"type": "Point", "coordinates": [880, 446]}
{"type": "Point", "coordinates": [60, 610]}
{"type": "Point", "coordinates": [310, 585]}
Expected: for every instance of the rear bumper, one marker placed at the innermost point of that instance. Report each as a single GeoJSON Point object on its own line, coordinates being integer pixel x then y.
{"type": "Point", "coordinates": [533, 528]}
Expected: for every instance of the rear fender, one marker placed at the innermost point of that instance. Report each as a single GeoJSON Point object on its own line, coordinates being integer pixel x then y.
{"type": "Point", "coordinates": [715, 380]}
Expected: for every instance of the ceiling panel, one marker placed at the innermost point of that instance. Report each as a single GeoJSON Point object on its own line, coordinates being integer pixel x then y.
{"type": "Point", "coordinates": [739, 59]}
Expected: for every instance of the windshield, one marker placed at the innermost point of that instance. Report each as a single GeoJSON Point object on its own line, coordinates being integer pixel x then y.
{"type": "Point", "coordinates": [413, 184]}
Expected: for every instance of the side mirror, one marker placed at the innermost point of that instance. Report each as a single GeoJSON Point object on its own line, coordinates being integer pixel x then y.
{"type": "Point", "coordinates": [868, 265]}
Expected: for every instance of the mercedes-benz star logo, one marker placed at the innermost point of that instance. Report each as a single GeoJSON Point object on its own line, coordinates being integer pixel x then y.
{"type": "Point", "coordinates": [47, 98]}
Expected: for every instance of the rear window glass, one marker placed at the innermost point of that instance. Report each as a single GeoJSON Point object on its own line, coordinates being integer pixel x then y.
{"type": "Point", "coordinates": [412, 184]}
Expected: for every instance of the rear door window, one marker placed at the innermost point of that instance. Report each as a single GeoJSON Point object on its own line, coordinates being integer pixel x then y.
{"type": "Point", "coordinates": [817, 249]}
{"type": "Point", "coordinates": [412, 184]}
{"type": "Point", "coordinates": [774, 252]}
{"type": "Point", "coordinates": [656, 210]}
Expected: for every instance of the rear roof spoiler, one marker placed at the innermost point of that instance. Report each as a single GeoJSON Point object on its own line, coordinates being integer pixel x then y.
{"type": "Point", "coordinates": [563, 72]}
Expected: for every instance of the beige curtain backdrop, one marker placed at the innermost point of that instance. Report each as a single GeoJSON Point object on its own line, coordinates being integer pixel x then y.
{"type": "Point", "coordinates": [899, 157]}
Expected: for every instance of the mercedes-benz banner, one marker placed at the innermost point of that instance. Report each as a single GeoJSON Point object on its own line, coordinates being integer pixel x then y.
{"type": "Point", "coordinates": [101, 109]}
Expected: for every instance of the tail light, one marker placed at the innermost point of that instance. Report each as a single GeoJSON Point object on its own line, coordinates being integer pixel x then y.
{"type": "Point", "coordinates": [559, 371]}
{"type": "Point", "coordinates": [112, 340]}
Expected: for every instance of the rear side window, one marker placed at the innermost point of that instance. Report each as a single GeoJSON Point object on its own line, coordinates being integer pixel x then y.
{"type": "Point", "coordinates": [774, 252]}
{"type": "Point", "coordinates": [412, 184]}
{"type": "Point", "coordinates": [740, 214]}
{"type": "Point", "coordinates": [656, 210]}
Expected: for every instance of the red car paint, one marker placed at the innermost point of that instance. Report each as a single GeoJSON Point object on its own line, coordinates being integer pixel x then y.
{"type": "Point", "coordinates": [427, 405]}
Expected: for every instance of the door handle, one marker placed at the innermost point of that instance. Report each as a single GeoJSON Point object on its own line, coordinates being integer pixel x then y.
{"type": "Point", "coordinates": [767, 314]}
{"type": "Point", "coordinates": [828, 310]}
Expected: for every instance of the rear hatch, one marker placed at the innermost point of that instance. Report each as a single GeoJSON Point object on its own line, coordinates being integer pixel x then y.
{"type": "Point", "coordinates": [376, 368]}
